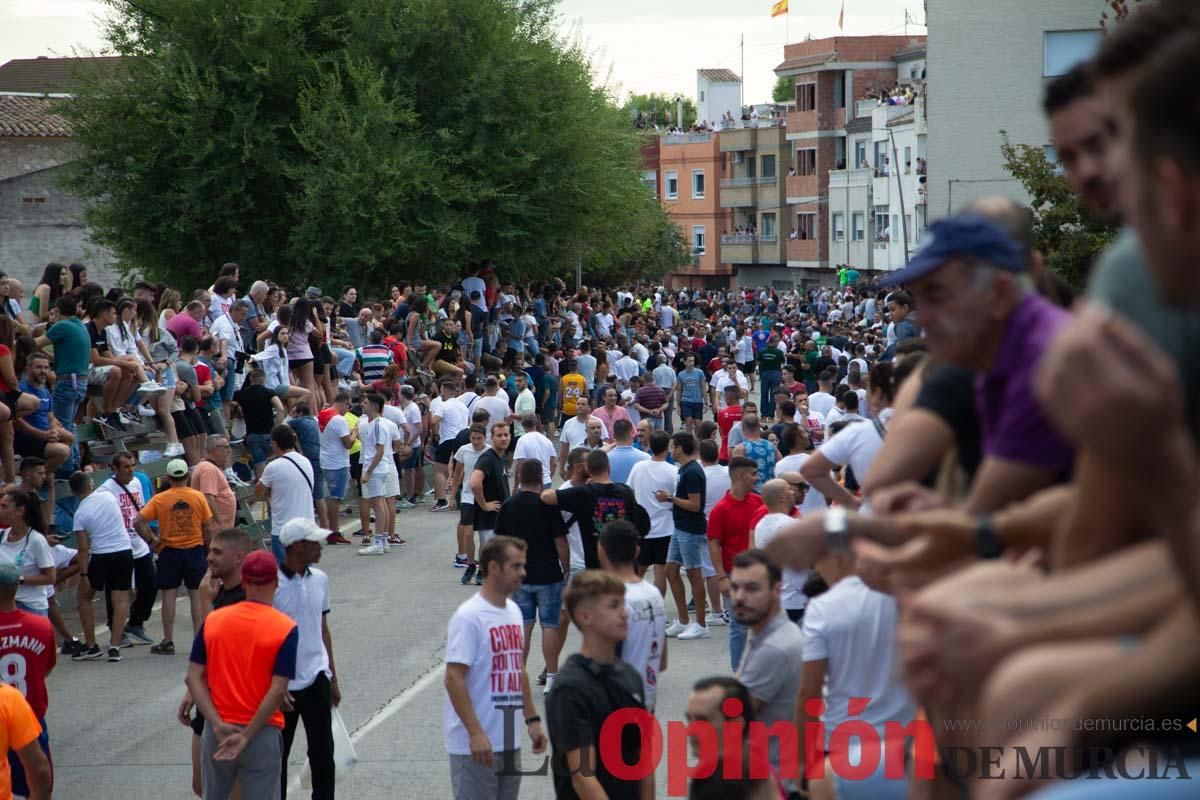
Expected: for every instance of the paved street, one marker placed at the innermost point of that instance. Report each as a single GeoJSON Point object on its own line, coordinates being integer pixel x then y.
{"type": "Point", "coordinates": [113, 729]}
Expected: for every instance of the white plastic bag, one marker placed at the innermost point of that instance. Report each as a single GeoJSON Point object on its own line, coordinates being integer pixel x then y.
{"type": "Point", "coordinates": [344, 757]}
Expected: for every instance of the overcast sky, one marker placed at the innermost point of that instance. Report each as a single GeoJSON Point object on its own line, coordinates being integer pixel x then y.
{"type": "Point", "coordinates": [639, 45]}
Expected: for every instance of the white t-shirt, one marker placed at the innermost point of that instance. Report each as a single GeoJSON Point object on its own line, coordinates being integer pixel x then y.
{"type": "Point", "coordinates": [30, 555]}
{"type": "Point", "coordinates": [856, 445]}
{"type": "Point", "coordinates": [645, 479]}
{"type": "Point", "coordinates": [854, 628]}
{"type": "Point", "coordinates": [574, 432]}
{"type": "Point", "coordinates": [524, 404]}
{"type": "Point", "coordinates": [121, 346]}
{"type": "Point", "coordinates": [412, 415]}
{"type": "Point", "coordinates": [305, 598]}
{"type": "Point", "coordinates": [373, 433]}
{"type": "Point", "coordinates": [821, 402]}
{"type": "Point", "coordinates": [226, 330]}
{"type": "Point", "coordinates": [475, 284]}
{"type": "Point", "coordinates": [646, 635]}
{"type": "Point", "coordinates": [291, 489]}
{"type": "Point", "coordinates": [604, 325]}
{"type": "Point", "coordinates": [130, 506]}
{"type": "Point", "coordinates": [100, 515]}
{"type": "Point", "coordinates": [334, 454]}
{"type": "Point", "coordinates": [535, 445]}
{"type": "Point", "coordinates": [62, 559]}
{"type": "Point", "coordinates": [627, 368]}
{"type": "Point", "coordinates": [721, 379]}
{"type": "Point", "coordinates": [467, 456]}
{"type": "Point", "coordinates": [813, 500]}
{"type": "Point", "coordinates": [715, 486]}
{"type": "Point", "coordinates": [497, 408]}
{"type": "Point", "coordinates": [793, 581]}
{"type": "Point", "coordinates": [454, 414]}
{"type": "Point", "coordinates": [489, 641]}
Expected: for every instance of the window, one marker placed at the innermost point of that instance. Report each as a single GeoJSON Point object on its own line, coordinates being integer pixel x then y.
{"type": "Point", "coordinates": [697, 184]}
{"type": "Point", "coordinates": [881, 158]}
{"type": "Point", "coordinates": [839, 152]}
{"type": "Point", "coordinates": [1064, 49]}
{"type": "Point", "coordinates": [806, 162]}
{"type": "Point", "coordinates": [698, 240]}
{"type": "Point", "coordinates": [806, 227]}
{"type": "Point", "coordinates": [806, 97]}
{"type": "Point", "coordinates": [907, 160]}
{"type": "Point", "coordinates": [839, 90]}
{"type": "Point", "coordinates": [881, 224]}
{"type": "Point", "coordinates": [860, 153]}
{"type": "Point", "coordinates": [767, 169]}
{"type": "Point", "coordinates": [839, 227]}
{"type": "Point", "coordinates": [860, 228]}
{"type": "Point", "coordinates": [908, 224]}
{"type": "Point", "coordinates": [767, 231]}
{"type": "Point", "coordinates": [672, 185]}
{"type": "Point", "coordinates": [701, 95]}
{"type": "Point", "coordinates": [650, 179]}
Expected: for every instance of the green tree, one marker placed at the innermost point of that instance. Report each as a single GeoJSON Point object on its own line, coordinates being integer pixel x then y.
{"type": "Point", "coordinates": [648, 110]}
{"type": "Point", "coordinates": [785, 89]}
{"type": "Point", "coordinates": [365, 141]}
{"type": "Point", "coordinates": [1068, 237]}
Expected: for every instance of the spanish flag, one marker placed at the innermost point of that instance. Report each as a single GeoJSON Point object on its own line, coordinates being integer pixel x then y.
{"type": "Point", "coordinates": [779, 8]}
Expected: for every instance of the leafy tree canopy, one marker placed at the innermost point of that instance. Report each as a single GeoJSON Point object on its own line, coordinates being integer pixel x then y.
{"type": "Point", "coordinates": [785, 89]}
{"type": "Point", "coordinates": [364, 141]}
{"type": "Point", "coordinates": [648, 110]}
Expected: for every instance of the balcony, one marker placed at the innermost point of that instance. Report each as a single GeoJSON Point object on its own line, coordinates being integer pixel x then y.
{"type": "Point", "coordinates": [688, 138]}
{"type": "Point", "coordinates": [850, 178]}
{"type": "Point", "coordinates": [737, 183]}
{"type": "Point", "coordinates": [879, 190]}
{"type": "Point", "coordinates": [802, 186]}
{"type": "Point", "coordinates": [743, 248]}
{"type": "Point", "coordinates": [742, 196]}
{"type": "Point", "coordinates": [803, 250]}
{"type": "Point", "coordinates": [798, 121]}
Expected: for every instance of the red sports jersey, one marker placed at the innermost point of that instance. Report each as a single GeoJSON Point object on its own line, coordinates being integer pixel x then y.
{"type": "Point", "coordinates": [27, 655]}
{"type": "Point", "coordinates": [726, 419]}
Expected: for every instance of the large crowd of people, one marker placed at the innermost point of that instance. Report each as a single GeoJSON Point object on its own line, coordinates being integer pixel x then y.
{"type": "Point", "coordinates": [942, 496]}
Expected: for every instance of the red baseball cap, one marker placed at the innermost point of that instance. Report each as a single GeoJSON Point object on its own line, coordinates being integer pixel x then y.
{"type": "Point", "coordinates": [259, 568]}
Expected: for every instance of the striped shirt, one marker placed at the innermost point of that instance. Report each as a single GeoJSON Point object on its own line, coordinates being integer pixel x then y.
{"type": "Point", "coordinates": [374, 358]}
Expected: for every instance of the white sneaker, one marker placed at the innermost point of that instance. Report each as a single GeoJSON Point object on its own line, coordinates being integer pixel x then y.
{"type": "Point", "coordinates": [152, 387]}
{"type": "Point", "coordinates": [716, 620]}
{"type": "Point", "coordinates": [173, 449]}
{"type": "Point", "coordinates": [694, 631]}
{"type": "Point", "coordinates": [387, 546]}
{"type": "Point", "coordinates": [676, 628]}
{"type": "Point", "coordinates": [549, 683]}
{"type": "Point", "coordinates": [371, 550]}
{"type": "Point", "coordinates": [146, 411]}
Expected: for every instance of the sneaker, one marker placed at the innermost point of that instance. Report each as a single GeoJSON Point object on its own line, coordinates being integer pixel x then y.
{"type": "Point", "coordinates": [146, 411]}
{"type": "Point", "coordinates": [404, 503]}
{"type": "Point", "coordinates": [125, 643]}
{"type": "Point", "coordinates": [129, 418]}
{"type": "Point", "coordinates": [468, 575]}
{"type": "Point", "coordinates": [429, 492]}
{"type": "Point", "coordinates": [460, 561]}
{"type": "Point", "coordinates": [676, 628]}
{"type": "Point", "coordinates": [692, 604]}
{"type": "Point", "coordinates": [541, 679]}
{"type": "Point", "coordinates": [479, 578]}
{"type": "Point", "coordinates": [152, 388]}
{"type": "Point", "coordinates": [173, 449]}
{"type": "Point", "coordinates": [88, 653]}
{"type": "Point", "coordinates": [71, 646]}
{"type": "Point", "coordinates": [387, 546]}
{"type": "Point", "coordinates": [337, 538]}
{"type": "Point", "coordinates": [418, 500]}
{"type": "Point", "coordinates": [138, 634]}
{"type": "Point", "coordinates": [725, 616]}
{"type": "Point", "coordinates": [371, 550]}
{"type": "Point", "coordinates": [112, 421]}
{"type": "Point", "coordinates": [440, 505]}
{"type": "Point", "coordinates": [549, 683]}
{"type": "Point", "coordinates": [114, 654]}
{"type": "Point", "coordinates": [694, 631]}
{"type": "Point", "coordinates": [716, 620]}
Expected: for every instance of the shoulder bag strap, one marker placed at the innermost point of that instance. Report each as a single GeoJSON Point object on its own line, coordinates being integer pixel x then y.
{"type": "Point", "coordinates": [299, 469]}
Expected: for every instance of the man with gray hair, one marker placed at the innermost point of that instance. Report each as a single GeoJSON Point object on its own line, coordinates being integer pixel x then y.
{"type": "Point", "coordinates": [229, 352]}
{"type": "Point", "coordinates": [256, 318]}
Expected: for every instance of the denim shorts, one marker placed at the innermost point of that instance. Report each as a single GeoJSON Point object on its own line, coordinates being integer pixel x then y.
{"type": "Point", "coordinates": [319, 492]}
{"type": "Point", "coordinates": [336, 482]}
{"type": "Point", "coordinates": [687, 549]}
{"type": "Point", "coordinates": [691, 410]}
{"type": "Point", "coordinates": [259, 445]}
{"type": "Point", "coordinates": [540, 601]}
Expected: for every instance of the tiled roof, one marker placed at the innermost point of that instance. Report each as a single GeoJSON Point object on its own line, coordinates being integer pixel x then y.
{"type": "Point", "coordinates": [31, 116]}
{"type": "Point", "coordinates": [50, 75]}
{"type": "Point", "coordinates": [719, 75]}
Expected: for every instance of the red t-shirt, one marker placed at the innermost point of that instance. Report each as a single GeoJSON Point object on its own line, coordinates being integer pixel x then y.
{"type": "Point", "coordinates": [399, 352]}
{"type": "Point", "coordinates": [324, 415]}
{"type": "Point", "coordinates": [714, 364]}
{"type": "Point", "coordinates": [27, 655]}
{"type": "Point", "coordinates": [726, 418]}
{"type": "Point", "coordinates": [731, 522]}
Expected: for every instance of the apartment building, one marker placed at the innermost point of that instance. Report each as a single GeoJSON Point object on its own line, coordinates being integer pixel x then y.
{"type": "Point", "coordinates": [690, 168]}
{"type": "Point", "coordinates": [831, 75]}
{"type": "Point", "coordinates": [990, 62]}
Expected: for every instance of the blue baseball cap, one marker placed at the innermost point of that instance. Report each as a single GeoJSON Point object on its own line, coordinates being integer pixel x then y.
{"type": "Point", "coordinates": [971, 235]}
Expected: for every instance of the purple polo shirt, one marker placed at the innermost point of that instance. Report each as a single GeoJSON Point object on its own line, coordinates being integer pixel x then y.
{"type": "Point", "coordinates": [1011, 422]}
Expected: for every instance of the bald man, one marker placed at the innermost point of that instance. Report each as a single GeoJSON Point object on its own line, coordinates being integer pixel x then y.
{"type": "Point", "coordinates": [780, 497]}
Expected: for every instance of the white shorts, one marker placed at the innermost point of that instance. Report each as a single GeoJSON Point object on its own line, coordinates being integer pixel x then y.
{"type": "Point", "coordinates": [382, 484]}
{"type": "Point", "coordinates": [98, 376]}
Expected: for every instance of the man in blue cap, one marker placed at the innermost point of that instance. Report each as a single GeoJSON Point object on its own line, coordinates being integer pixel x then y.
{"type": "Point", "coordinates": [975, 300]}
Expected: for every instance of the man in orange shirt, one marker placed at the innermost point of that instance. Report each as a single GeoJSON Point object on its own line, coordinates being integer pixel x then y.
{"type": "Point", "coordinates": [185, 526]}
{"type": "Point", "coordinates": [208, 478]}
{"type": "Point", "coordinates": [242, 659]}
{"type": "Point", "coordinates": [571, 387]}
{"type": "Point", "coordinates": [19, 732]}
{"type": "Point", "coordinates": [27, 651]}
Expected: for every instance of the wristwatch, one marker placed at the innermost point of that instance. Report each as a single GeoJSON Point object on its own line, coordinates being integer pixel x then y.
{"type": "Point", "coordinates": [837, 531]}
{"type": "Point", "coordinates": [987, 543]}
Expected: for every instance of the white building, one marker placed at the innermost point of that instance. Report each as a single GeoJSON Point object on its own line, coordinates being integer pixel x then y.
{"type": "Point", "coordinates": [990, 62]}
{"type": "Point", "coordinates": [717, 91]}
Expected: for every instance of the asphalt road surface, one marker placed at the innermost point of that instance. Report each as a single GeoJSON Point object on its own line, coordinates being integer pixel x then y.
{"type": "Point", "coordinates": [113, 730]}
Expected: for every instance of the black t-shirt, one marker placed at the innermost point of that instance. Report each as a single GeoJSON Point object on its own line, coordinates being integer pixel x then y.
{"type": "Point", "coordinates": [949, 392]}
{"type": "Point", "coordinates": [346, 310]}
{"type": "Point", "coordinates": [595, 505]}
{"type": "Point", "coordinates": [585, 694]}
{"type": "Point", "coordinates": [770, 358]}
{"type": "Point", "coordinates": [691, 481]}
{"type": "Point", "coordinates": [99, 340]}
{"type": "Point", "coordinates": [495, 487]}
{"type": "Point", "coordinates": [450, 348]}
{"type": "Point", "coordinates": [255, 402]}
{"type": "Point", "coordinates": [526, 517]}
{"type": "Point", "coordinates": [227, 597]}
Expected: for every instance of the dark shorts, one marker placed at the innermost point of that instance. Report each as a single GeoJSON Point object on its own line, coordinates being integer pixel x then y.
{"type": "Point", "coordinates": [297, 363]}
{"type": "Point", "coordinates": [356, 467]}
{"type": "Point", "coordinates": [198, 723]}
{"type": "Point", "coordinates": [28, 446]}
{"type": "Point", "coordinates": [11, 397]}
{"type": "Point", "coordinates": [466, 514]}
{"type": "Point", "coordinates": [214, 422]}
{"type": "Point", "coordinates": [259, 446]}
{"type": "Point", "coordinates": [189, 423]}
{"type": "Point", "coordinates": [176, 566]}
{"type": "Point", "coordinates": [20, 786]}
{"type": "Point", "coordinates": [415, 461]}
{"type": "Point", "coordinates": [691, 410]}
{"type": "Point", "coordinates": [653, 551]}
{"type": "Point", "coordinates": [747, 368]}
{"type": "Point", "coordinates": [443, 452]}
{"type": "Point", "coordinates": [111, 571]}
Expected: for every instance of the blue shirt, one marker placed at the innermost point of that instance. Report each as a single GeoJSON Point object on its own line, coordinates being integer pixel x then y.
{"type": "Point", "coordinates": [763, 454]}
{"type": "Point", "coordinates": [309, 435]}
{"type": "Point", "coordinates": [621, 460]}
{"type": "Point", "coordinates": [39, 419]}
{"type": "Point", "coordinates": [693, 382]}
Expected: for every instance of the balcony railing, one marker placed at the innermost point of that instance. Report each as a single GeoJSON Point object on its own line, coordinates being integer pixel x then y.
{"type": "Point", "coordinates": [747, 238]}
{"type": "Point", "coordinates": [735, 183]}
{"type": "Point", "coordinates": [687, 138]}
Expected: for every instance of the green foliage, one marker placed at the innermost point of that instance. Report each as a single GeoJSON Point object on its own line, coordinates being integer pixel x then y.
{"type": "Point", "coordinates": [1068, 237]}
{"type": "Point", "coordinates": [648, 110]}
{"type": "Point", "coordinates": [359, 141]}
{"type": "Point", "coordinates": [785, 89]}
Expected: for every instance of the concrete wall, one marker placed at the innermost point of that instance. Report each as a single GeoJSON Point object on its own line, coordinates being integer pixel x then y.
{"type": "Point", "coordinates": [718, 98]}
{"type": "Point", "coordinates": [22, 154]}
{"type": "Point", "coordinates": [985, 73]}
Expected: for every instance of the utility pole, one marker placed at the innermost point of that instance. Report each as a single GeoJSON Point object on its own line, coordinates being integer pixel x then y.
{"type": "Point", "coordinates": [900, 191]}
{"type": "Point", "coordinates": [742, 80]}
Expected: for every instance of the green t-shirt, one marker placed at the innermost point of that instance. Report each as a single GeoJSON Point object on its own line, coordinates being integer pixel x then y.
{"type": "Point", "coordinates": [1121, 281]}
{"type": "Point", "coordinates": [72, 347]}
{"type": "Point", "coordinates": [770, 358]}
